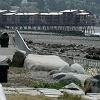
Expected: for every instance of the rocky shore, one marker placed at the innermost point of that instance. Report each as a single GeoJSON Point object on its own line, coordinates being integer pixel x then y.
{"type": "Point", "coordinates": [50, 66]}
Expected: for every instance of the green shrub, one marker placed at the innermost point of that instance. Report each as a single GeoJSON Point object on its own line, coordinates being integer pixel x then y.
{"type": "Point", "coordinates": [57, 85]}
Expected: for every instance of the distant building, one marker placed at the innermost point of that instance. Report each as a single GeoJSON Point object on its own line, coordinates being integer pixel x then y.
{"type": "Point", "coordinates": [67, 20]}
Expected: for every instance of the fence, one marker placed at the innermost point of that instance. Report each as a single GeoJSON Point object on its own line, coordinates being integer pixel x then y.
{"type": "Point", "coordinates": [87, 62]}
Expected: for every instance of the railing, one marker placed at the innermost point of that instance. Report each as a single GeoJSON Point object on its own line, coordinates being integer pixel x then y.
{"type": "Point", "coordinates": [87, 62]}
{"type": "Point", "coordinates": [20, 43]}
{"type": "Point", "coordinates": [92, 67]}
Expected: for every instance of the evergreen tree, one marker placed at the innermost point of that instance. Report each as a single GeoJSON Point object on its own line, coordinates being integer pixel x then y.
{"type": "Point", "coordinates": [54, 5]}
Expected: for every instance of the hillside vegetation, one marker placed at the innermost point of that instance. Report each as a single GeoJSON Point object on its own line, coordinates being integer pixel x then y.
{"type": "Point", "coordinates": [54, 5]}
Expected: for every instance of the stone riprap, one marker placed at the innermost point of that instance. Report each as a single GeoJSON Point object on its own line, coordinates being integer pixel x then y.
{"type": "Point", "coordinates": [5, 59]}
{"type": "Point", "coordinates": [74, 76]}
{"type": "Point", "coordinates": [77, 68]}
{"type": "Point", "coordinates": [18, 58]}
{"type": "Point", "coordinates": [92, 84]}
{"type": "Point", "coordinates": [44, 62]}
{"type": "Point", "coordinates": [72, 88]}
{"type": "Point", "coordinates": [47, 92]}
{"type": "Point", "coordinates": [50, 92]}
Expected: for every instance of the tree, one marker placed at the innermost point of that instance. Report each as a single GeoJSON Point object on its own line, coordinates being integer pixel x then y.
{"type": "Point", "coordinates": [54, 5]}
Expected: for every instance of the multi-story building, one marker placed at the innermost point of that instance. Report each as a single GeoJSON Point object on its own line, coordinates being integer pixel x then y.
{"type": "Point", "coordinates": [70, 18]}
